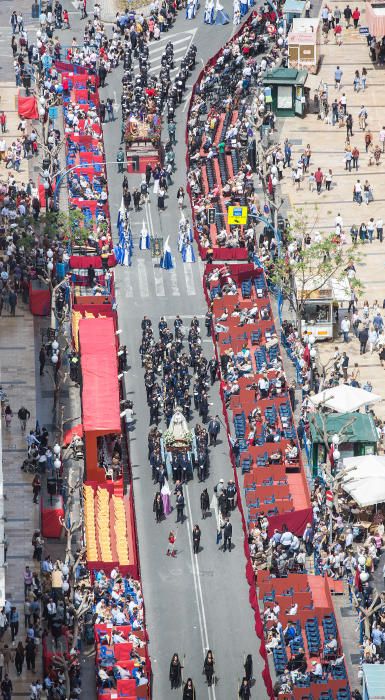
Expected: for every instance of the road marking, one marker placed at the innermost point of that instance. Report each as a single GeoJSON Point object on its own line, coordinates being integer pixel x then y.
{"type": "Point", "coordinates": [159, 286]}
{"type": "Point", "coordinates": [189, 276]}
{"type": "Point", "coordinates": [174, 283]}
{"type": "Point", "coordinates": [160, 49]}
{"type": "Point", "coordinates": [171, 36]}
{"type": "Point", "coordinates": [143, 282]}
{"type": "Point", "coordinates": [198, 591]}
{"type": "Point", "coordinates": [128, 288]}
{"type": "Point", "coordinates": [187, 101]}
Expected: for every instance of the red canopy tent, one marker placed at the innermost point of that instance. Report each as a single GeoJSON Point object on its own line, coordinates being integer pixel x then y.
{"type": "Point", "coordinates": [100, 389]}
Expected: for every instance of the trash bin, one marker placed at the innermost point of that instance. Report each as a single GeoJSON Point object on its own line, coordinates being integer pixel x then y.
{"type": "Point", "coordinates": [35, 11]}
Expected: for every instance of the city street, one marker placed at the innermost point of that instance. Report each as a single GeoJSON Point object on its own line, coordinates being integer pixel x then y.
{"type": "Point", "coordinates": [194, 602]}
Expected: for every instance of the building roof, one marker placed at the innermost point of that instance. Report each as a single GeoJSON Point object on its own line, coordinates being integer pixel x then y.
{"type": "Point", "coordinates": [285, 76]}
{"type": "Point", "coordinates": [360, 429]}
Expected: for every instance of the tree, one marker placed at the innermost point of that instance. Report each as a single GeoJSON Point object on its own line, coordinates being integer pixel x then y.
{"type": "Point", "coordinates": [304, 269]}
{"type": "Point", "coordinates": [367, 613]}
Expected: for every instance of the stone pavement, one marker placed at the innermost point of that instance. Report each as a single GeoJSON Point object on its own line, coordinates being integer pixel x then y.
{"type": "Point", "coordinates": [327, 145]}
{"type": "Point", "coordinates": [17, 378]}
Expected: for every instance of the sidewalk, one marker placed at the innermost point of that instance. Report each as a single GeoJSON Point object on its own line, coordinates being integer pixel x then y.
{"type": "Point", "coordinates": [327, 146]}
{"type": "Point", "coordinates": [17, 378]}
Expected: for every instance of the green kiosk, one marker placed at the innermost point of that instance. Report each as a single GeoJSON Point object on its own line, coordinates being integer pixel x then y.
{"type": "Point", "coordinates": [358, 435]}
{"type": "Point", "coordinates": [286, 90]}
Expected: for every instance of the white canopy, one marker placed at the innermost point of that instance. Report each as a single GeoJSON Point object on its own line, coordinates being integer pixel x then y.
{"type": "Point", "coordinates": [365, 479]}
{"type": "Point", "coordinates": [344, 398]}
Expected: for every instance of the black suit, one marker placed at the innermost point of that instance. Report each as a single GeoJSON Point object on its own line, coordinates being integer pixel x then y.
{"type": "Point", "coordinates": [227, 535]}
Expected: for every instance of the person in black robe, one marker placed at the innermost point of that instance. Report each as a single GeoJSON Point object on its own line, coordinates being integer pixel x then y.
{"type": "Point", "coordinates": [175, 672]}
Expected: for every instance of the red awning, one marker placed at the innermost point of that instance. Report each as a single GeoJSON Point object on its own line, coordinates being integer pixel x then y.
{"type": "Point", "coordinates": [99, 364]}
{"type": "Point", "coordinates": [69, 434]}
{"type": "Point", "coordinates": [28, 107]}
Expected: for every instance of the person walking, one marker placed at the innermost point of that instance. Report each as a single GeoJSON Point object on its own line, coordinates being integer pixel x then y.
{"type": "Point", "coordinates": [36, 487]}
{"type": "Point", "coordinates": [205, 503]}
{"type": "Point", "coordinates": [157, 507]}
{"type": "Point", "coordinates": [136, 199]}
{"type": "Point", "coordinates": [319, 179]}
{"type": "Point", "coordinates": [208, 667]}
{"type": "Point", "coordinates": [189, 690]}
{"type": "Point", "coordinates": [171, 551]}
{"type": "Point", "coordinates": [120, 160]}
{"type": "Point", "coordinates": [42, 359]}
{"type": "Point", "coordinates": [213, 429]}
{"type": "Point", "coordinates": [338, 78]}
{"type": "Point", "coordinates": [345, 328]}
{"type": "Point", "coordinates": [14, 622]}
{"type": "Point", "coordinates": [175, 674]}
{"type": "Point", "coordinates": [23, 415]}
{"type": "Point", "coordinates": [196, 536]}
{"type": "Point", "coordinates": [179, 507]}
{"type": "Point", "coordinates": [349, 125]}
{"type": "Point", "coordinates": [6, 688]}
{"type": "Point", "coordinates": [19, 658]}
{"type": "Point", "coordinates": [30, 654]}
{"type": "Point", "coordinates": [227, 535]}
{"type": "Point", "coordinates": [363, 337]}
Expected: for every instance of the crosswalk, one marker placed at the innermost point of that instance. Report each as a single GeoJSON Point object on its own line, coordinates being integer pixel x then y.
{"type": "Point", "coordinates": [181, 42]}
{"type": "Point", "coordinates": [145, 280]}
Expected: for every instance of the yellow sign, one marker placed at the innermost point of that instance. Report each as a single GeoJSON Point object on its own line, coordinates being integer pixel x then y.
{"type": "Point", "coordinates": [237, 215]}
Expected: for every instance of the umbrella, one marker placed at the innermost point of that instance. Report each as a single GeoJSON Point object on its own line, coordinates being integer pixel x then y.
{"type": "Point", "coordinates": [344, 398]}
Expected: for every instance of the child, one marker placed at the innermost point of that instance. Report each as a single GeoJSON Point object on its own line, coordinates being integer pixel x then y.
{"type": "Point", "coordinates": [171, 551]}
{"type": "Point", "coordinates": [311, 181]}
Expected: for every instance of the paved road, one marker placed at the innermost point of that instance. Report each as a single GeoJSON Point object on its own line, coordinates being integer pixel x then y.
{"type": "Point", "coordinates": [192, 603]}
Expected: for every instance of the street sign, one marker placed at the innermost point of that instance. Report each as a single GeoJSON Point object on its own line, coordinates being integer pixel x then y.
{"type": "Point", "coordinates": [237, 215]}
{"type": "Point", "coordinates": [329, 498]}
{"type": "Point", "coordinates": [364, 31]}
{"type": "Point", "coordinates": [156, 247]}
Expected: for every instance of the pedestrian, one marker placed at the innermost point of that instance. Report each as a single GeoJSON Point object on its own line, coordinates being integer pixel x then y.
{"type": "Point", "coordinates": [244, 690]}
{"type": "Point", "coordinates": [337, 78]}
{"type": "Point", "coordinates": [356, 14]}
{"type": "Point", "coordinates": [42, 359]}
{"type": "Point", "coordinates": [363, 337]}
{"type": "Point", "coordinates": [364, 77]}
{"type": "Point", "coordinates": [307, 8]}
{"type": "Point", "coordinates": [344, 366]}
{"type": "Point", "coordinates": [161, 196]}
{"type": "Point", "coordinates": [227, 535]}
{"type": "Point", "coordinates": [319, 179]}
{"type": "Point", "coordinates": [120, 160]}
{"type": "Point", "coordinates": [14, 621]}
{"type": "Point", "coordinates": [8, 413]}
{"type": "Point", "coordinates": [345, 328]}
{"type": "Point", "coordinates": [338, 34]}
{"type": "Point", "coordinates": [157, 507]}
{"type": "Point", "coordinates": [328, 179]}
{"type": "Point", "coordinates": [196, 536]}
{"type": "Point", "coordinates": [12, 301]}
{"type": "Point", "coordinates": [347, 16]}
{"type": "Point", "coordinates": [179, 507]}
{"type": "Point", "coordinates": [83, 9]}
{"type": "Point", "coordinates": [205, 503]}
{"type": "Point", "coordinates": [189, 690]}
{"type": "Point", "coordinates": [379, 229]}
{"type": "Point", "coordinates": [213, 429]}
{"type": "Point", "coordinates": [175, 674]}
{"type": "Point", "coordinates": [19, 658]}
{"type": "Point", "coordinates": [368, 138]}
{"type": "Point", "coordinates": [355, 157]}
{"type": "Point", "coordinates": [30, 654]}
{"type": "Point", "coordinates": [208, 667]}
{"type": "Point", "coordinates": [171, 551]}
{"type": "Point", "coordinates": [356, 81]}
{"type": "Point", "coordinates": [23, 415]}
{"type": "Point", "coordinates": [6, 688]}
{"type": "Point", "coordinates": [136, 199]}
{"type": "Point", "coordinates": [368, 192]}
{"type": "Point", "coordinates": [349, 125]}
{"type": "Point", "coordinates": [36, 487]}
{"type": "Point", "coordinates": [362, 117]}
